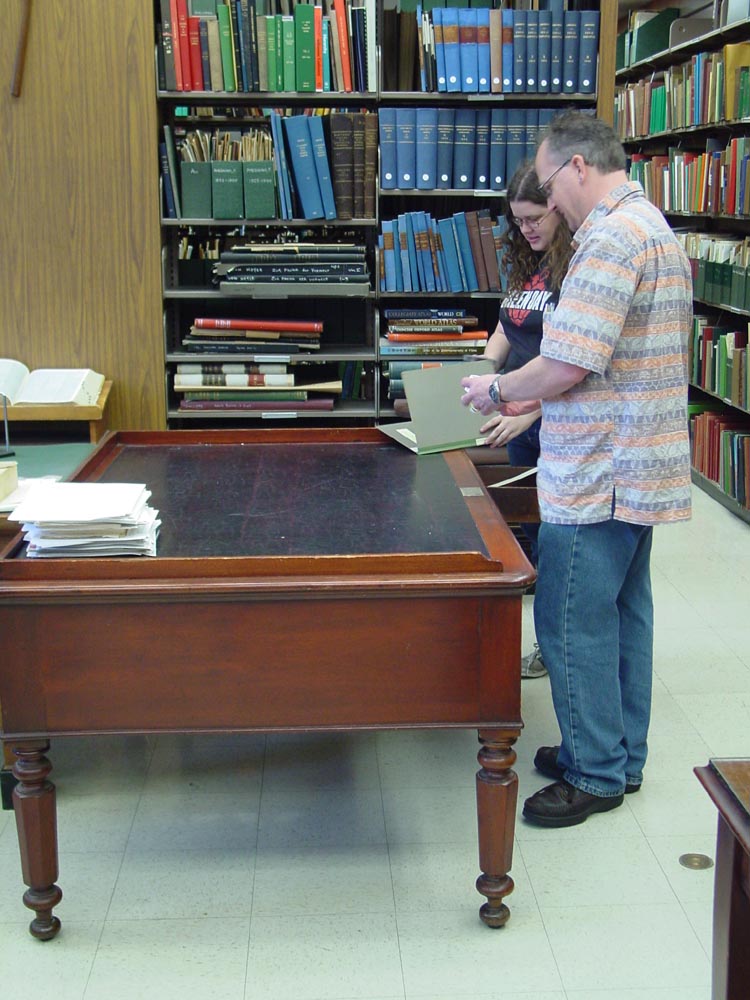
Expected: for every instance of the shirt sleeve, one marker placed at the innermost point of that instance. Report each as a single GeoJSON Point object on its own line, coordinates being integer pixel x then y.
{"type": "Point", "coordinates": [595, 299]}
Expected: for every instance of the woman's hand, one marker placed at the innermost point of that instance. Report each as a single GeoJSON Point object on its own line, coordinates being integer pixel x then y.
{"type": "Point", "coordinates": [502, 429]}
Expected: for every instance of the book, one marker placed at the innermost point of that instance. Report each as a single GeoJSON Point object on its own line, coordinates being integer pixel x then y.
{"type": "Point", "coordinates": [279, 325]}
{"type": "Point", "coordinates": [483, 50]}
{"type": "Point", "coordinates": [496, 50]}
{"type": "Point", "coordinates": [317, 403]}
{"type": "Point", "coordinates": [444, 152]}
{"type": "Point", "coordinates": [557, 27]}
{"type": "Point", "coordinates": [79, 386]}
{"type": "Point", "coordinates": [167, 43]}
{"type": "Point", "coordinates": [170, 212]}
{"type": "Point", "coordinates": [451, 50]}
{"type": "Point", "coordinates": [519, 51]}
{"type": "Point", "coordinates": [227, 193]}
{"type": "Point", "coordinates": [226, 46]}
{"type": "Point", "coordinates": [342, 32]}
{"type": "Point", "coordinates": [464, 144]}
{"type": "Point", "coordinates": [304, 166]}
{"type": "Point", "coordinates": [172, 168]}
{"type": "Point", "coordinates": [571, 36]}
{"type": "Point", "coordinates": [322, 165]}
{"type": "Point", "coordinates": [482, 149]}
{"type": "Point", "coordinates": [406, 147]}
{"type": "Point", "coordinates": [498, 129]}
{"type": "Point", "coordinates": [259, 189]}
{"type": "Point", "coordinates": [371, 164]}
{"type": "Point", "coordinates": [544, 52]}
{"type": "Point", "coordinates": [588, 51]}
{"type": "Point", "coordinates": [189, 380]}
{"type": "Point", "coordinates": [426, 148]}
{"type": "Point", "coordinates": [196, 189]}
{"type": "Point", "coordinates": [304, 41]}
{"type": "Point", "coordinates": [467, 49]}
{"type": "Point", "coordinates": [439, 420]}
{"type": "Point", "coordinates": [358, 164]}
{"type": "Point", "coordinates": [532, 51]}
{"type": "Point", "coordinates": [387, 132]}
{"type": "Point", "coordinates": [342, 163]}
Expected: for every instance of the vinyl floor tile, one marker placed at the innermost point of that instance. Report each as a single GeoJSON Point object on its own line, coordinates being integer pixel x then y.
{"type": "Point", "coordinates": [193, 821]}
{"type": "Point", "coordinates": [58, 968]}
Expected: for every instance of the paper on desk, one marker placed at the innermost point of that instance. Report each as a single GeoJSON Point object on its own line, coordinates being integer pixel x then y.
{"type": "Point", "coordinates": [514, 479]}
{"type": "Point", "coordinates": [19, 493]}
{"type": "Point", "coordinates": [64, 503]}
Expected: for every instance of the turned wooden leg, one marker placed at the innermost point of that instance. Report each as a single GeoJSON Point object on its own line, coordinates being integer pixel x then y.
{"type": "Point", "coordinates": [36, 820]}
{"type": "Point", "coordinates": [497, 792]}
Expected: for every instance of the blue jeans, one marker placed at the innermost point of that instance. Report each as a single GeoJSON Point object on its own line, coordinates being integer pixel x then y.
{"type": "Point", "coordinates": [593, 613]}
{"type": "Point", "coordinates": [524, 451]}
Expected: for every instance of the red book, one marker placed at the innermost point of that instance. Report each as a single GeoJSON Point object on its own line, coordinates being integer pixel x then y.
{"type": "Point", "coordinates": [286, 325]}
{"type": "Point", "coordinates": [342, 27]}
{"type": "Point", "coordinates": [176, 44]}
{"type": "Point", "coordinates": [196, 63]}
{"type": "Point", "coordinates": [318, 34]}
{"type": "Point", "coordinates": [182, 28]}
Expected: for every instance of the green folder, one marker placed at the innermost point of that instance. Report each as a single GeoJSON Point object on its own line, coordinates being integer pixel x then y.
{"type": "Point", "coordinates": [260, 189]}
{"type": "Point", "coordinates": [226, 189]}
{"type": "Point", "coordinates": [195, 181]}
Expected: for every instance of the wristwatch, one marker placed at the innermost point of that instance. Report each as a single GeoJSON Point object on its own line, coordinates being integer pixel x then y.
{"type": "Point", "coordinates": [494, 391]}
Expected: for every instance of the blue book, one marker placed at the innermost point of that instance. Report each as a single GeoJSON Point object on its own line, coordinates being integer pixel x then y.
{"type": "Point", "coordinates": [459, 255]}
{"type": "Point", "coordinates": [440, 257]}
{"type": "Point", "coordinates": [482, 149]}
{"type": "Point", "coordinates": [464, 248]}
{"type": "Point", "coordinates": [437, 27]}
{"type": "Point", "coordinates": [389, 263]}
{"type": "Point", "coordinates": [451, 49]}
{"type": "Point", "coordinates": [519, 51]}
{"type": "Point", "coordinates": [403, 247]}
{"type": "Point", "coordinates": [423, 248]}
{"type": "Point", "coordinates": [411, 248]}
{"type": "Point", "coordinates": [532, 131]}
{"type": "Point", "coordinates": [445, 129]}
{"type": "Point", "coordinates": [387, 129]}
{"type": "Point", "coordinates": [303, 166]}
{"type": "Point", "coordinates": [406, 147]}
{"type": "Point", "coordinates": [515, 143]}
{"type": "Point", "coordinates": [320, 154]}
{"type": "Point", "coordinates": [463, 148]}
{"type": "Point", "coordinates": [325, 48]}
{"type": "Point", "coordinates": [544, 52]}
{"type": "Point", "coordinates": [467, 46]}
{"type": "Point", "coordinates": [507, 51]}
{"type": "Point", "coordinates": [285, 197]}
{"type": "Point", "coordinates": [483, 50]}
{"type": "Point", "coordinates": [170, 211]}
{"type": "Point", "coordinates": [571, 32]}
{"type": "Point", "coordinates": [532, 51]}
{"type": "Point", "coordinates": [242, 82]}
{"type": "Point", "coordinates": [450, 255]}
{"type": "Point", "coordinates": [427, 126]}
{"type": "Point", "coordinates": [556, 46]}
{"type": "Point", "coordinates": [588, 51]}
{"type": "Point", "coordinates": [205, 61]}
{"type": "Point", "coordinates": [381, 258]}
{"type": "Point", "coordinates": [397, 257]}
{"type": "Point", "coordinates": [498, 129]}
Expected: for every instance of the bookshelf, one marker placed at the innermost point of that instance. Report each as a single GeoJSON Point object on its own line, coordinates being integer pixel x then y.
{"type": "Point", "coordinates": [683, 114]}
{"type": "Point", "coordinates": [353, 321]}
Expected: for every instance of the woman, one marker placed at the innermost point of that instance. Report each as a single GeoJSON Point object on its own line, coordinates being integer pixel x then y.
{"type": "Point", "coordinates": [536, 254]}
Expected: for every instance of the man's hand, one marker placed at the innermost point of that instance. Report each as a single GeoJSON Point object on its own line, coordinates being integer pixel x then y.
{"type": "Point", "coordinates": [475, 395]}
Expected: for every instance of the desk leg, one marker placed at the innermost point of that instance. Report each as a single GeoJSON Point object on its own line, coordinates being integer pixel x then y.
{"type": "Point", "coordinates": [7, 781]}
{"type": "Point", "coordinates": [497, 792]}
{"type": "Point", "coordinates": [36, 820]}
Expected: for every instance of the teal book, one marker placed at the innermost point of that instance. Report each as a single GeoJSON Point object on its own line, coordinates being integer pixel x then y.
{"type": "Point", "coordinates": [195, 188]}
{"type": "Point", "coordinates": [259, 181]}
{"type": "Point", "coordinates": [303, 166]}
{"type": "Point", "coordinates": [464, 249]}
{"type": "Point", "coordinates": [304, 42]}
{"type": "Point", "coordinates": [227, 193]}
{"type": "Point", "coordinates": [323, 166]}
{"type": "Point", "coordinates": [289, 53]}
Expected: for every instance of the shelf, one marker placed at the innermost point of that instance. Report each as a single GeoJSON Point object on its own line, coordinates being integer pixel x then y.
{"type": "Point", "coordinates": [345, 409]}
{"type": "Point", "coordinates": [440, 192]}
{"type": "Point", "coordinates": [723, 308]}
{"type": "Point", "coordinates": [387, 97]}
{"type": "Point", "coordinates": [210, 293]}
{"type": "Point", "coordinates": [277, 223]}
{"type": "Point", "coordinates": [721, 399]}
{"type": "Point", "coordinates": [342, 353]}
{"type": "Point", "coordinates": [716, 493]}
{"type": "Point", "coordinates": [270, 98]}
{"type": "Point", "coordinates": [737, 124]}
{"type": "Point", "coordinates": [671, 57]}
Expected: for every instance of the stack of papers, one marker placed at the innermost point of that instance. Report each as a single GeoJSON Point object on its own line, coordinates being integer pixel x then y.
{"type": "Point", "coordinates": [88, 519]}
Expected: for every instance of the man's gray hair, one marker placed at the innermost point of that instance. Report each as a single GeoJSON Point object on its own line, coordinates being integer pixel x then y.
{"type": "Point", "coordinates": [575, 132]}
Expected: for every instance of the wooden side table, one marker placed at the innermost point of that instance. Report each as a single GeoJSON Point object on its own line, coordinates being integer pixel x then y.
{"type": "Point", "coordinates": [728, 783]}
{"type": "Point", "coordinates": [67, 411]}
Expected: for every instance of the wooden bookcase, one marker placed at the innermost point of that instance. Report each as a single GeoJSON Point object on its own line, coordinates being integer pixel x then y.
{"type": "Point", "coordinates": [360, 318]}
{"type": "Point", "coordinates": [717, 221]}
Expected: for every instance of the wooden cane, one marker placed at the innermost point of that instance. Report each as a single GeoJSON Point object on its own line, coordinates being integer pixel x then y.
{"type": "Point", "coordinates": [15, 87]}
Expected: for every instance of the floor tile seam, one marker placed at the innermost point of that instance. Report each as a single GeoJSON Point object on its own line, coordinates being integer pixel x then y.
{"type": "Point", "coordinates": [388, 846]}
{"type": "Point", "coordinates": [251, 917]}
{"type": "Point", "coordinates": [558, 970]}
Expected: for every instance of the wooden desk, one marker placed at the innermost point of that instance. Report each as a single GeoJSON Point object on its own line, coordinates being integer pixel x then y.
{"type": "Point", "coordinates": [94, 415]}
{"type": "Point", "coordinates": [279, 552]}
{"type": "Point", "coordinates": [728, 784]}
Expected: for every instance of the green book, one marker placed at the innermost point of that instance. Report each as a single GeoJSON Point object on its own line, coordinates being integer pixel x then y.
{"type": "Point", "coordinates": [304, 47]}
{"type": "Point", "coordinates": [279, 54]}
{"type": "Point", "coordinates": [225, 41]}
{"type": "Point", "coordinates": [260, 189]}
{"type": "Point", "coordinates": [737, 291]}
{"type": "Point", "coordinates": [226, 189]}
{"type": "Point", "coordinates": [195, 185]}
{"type": "Point", "coordinates": [202, 8]}
{"type": "Point", "coordinates": [248, 395]}
{"type": "Point", "coordinates": [271, 57]}
{"type": "Point", "coordinates": [288, 48]}
{"type": "Point", "coordinates": [700, 280]}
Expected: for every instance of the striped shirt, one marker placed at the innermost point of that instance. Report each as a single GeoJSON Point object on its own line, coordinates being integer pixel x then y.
{"type": "Point", "coordinates": [616, 444]}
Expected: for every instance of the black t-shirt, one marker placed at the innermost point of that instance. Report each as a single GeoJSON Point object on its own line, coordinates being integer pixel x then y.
{"type": "Point", "coordinates": [521, 314]}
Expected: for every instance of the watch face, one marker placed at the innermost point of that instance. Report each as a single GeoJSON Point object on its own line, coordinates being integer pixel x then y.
{"type": "Point", "coordinates": [493, 392]}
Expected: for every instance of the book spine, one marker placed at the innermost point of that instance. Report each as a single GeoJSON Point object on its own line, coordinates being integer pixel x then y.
{"type": "Point", "coordinates": [445, 138]}
{"type": "Point", "coordinates": [571, 33]}
{"type": "Point", "coordinates": [544, 52]}
{"type": "Point", "coordinates": [437, 27]}
{"type": "Point", "coordinates": [387, 132]}
{"type": "Point", "coordinates": [358, 164]}
{"type": "Point", "coordinates": [304, 39]}
{"type": "Point", "coordinates": [182, 30]}
{"type": "Point", "coordinates": [339, 9]}
{"type": "Point", "coordinates": [589, 46]}
{"type": "Point", "coordinates": [406, 149]}
{"type": "Point", "coordinates": [342, 163]}
{"type": "Point", "coordinates": [532, 51]}
{"type": "Point", "coordinates": [279, 325]}
{"type": "Point", "coordinates": [319, 403]}
{"type": "Point", "coordinates": [371, 164]}
{"type": "Point", "coordinates": [426, 125]}
{"type": "Point", "coordinates": [452, 50]}
{"type": "Point", "coordinates": [303, 165]}
{"type": "Point", "coordinates": [467, 49]}
{"type": "Point", "coordinates": [556, 45]}
{"type": "Point", "coordinates": [519, 51]}
{"type": "Point", "coordinates": [496, 50]}
{"type": "Point", "coordinates": [322, 166]}
{"type": "Point", "coordinates": [225, 41]}
{"type": "Point", "coordinates": [483, 51]}
{"type": "Point", "coordinates": [167, 44]}
{"type": "Point", "coordinates": [464, 145]}
{"type": "Point", "coordinates": [498, 128]}
{"type": "Point", "coordinates": [185, 380]}
{"type": "Point", "coordinates": [482, 149]}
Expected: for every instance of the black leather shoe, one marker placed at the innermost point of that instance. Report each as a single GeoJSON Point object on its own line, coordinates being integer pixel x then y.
{"type": "Point", "coordinates": [563, 805]}
{"type": "Point", "coordinates": [546, 763]}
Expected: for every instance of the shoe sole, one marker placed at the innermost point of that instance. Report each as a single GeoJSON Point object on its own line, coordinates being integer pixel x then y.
{"type": "Point", "coordinates": [606, 805]}
{"type": "Point", "coordinates": [557, 774]}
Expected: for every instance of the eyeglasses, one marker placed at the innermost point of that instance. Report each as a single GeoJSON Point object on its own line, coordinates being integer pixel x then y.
{"type": "Point", "coordinates": [531, 223]}
{"type": "Point", "coordinates": [545, 188]}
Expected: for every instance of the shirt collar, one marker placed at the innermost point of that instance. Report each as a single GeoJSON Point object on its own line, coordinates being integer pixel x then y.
{"type": "Point", "coordinates": [608, 204]}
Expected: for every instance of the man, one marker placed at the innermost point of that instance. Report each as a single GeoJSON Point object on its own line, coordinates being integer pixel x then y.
{"type": "Point", "coordinates": [612, 377]}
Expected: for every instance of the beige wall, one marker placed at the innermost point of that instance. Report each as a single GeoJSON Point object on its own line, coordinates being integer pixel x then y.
{"type": "Point", "coordinates": [79, 212]}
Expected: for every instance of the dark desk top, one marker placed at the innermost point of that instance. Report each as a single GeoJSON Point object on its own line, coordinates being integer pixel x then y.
{"type": "Point", "coordinates": [735, 775]}
{"type": "Point", "coordinates": [299, 499]}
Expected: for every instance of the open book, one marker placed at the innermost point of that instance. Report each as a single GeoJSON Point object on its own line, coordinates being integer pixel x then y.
{"type": "Point", "coordinates": [48, 385]}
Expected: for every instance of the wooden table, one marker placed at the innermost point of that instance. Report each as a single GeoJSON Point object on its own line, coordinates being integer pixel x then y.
{"type": "Point", "coordinates": [93, 414]}
{"type": "Point", "coordinates": [728, 783]}
{"type": "Point", "coordinates": [306, 580]}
